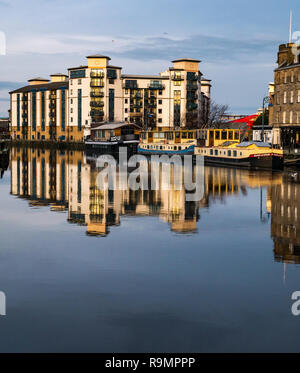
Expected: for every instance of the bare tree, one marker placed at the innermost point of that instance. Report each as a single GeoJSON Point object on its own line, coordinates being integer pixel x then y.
{"type": "Point", "coordinates": [215, 116]}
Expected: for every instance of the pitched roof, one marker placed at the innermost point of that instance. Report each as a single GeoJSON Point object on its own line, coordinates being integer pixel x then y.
{"type": "Point", "coordinates": [46, 86]}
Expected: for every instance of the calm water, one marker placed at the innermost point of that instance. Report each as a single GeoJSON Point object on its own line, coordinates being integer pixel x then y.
{"type": "Point", "coordinates": [93, 271]}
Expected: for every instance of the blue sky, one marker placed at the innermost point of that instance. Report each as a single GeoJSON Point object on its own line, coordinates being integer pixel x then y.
{"type": "Point", "coordinates": [236, 41]}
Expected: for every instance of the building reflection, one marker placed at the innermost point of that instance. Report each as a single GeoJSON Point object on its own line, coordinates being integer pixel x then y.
{"type": "Point", "coordinates": [285, 220]}
{"type": "Point", "coordinates": [4, 163]}
{"type": "Point", "coordinates": [67, 181]}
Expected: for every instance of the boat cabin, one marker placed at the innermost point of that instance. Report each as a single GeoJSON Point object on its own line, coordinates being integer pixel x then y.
{"type": "Point", "coordinates": [114, 132]}
{"type": "Point", "coordinates": [216, 137]}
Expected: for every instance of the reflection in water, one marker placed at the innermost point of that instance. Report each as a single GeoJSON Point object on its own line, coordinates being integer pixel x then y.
{"type": "Point", "coordinates": [285, 229]}
{"type": "Point", "coordinates": [4, 163]}
{"type": "Point", "coordinates": [67, 181]}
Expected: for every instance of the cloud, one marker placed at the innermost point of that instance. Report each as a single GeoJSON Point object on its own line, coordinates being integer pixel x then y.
{"type": "Point", "coordinates": [10, 85]}
{"type": "Point", "coordinates": [209, 48]}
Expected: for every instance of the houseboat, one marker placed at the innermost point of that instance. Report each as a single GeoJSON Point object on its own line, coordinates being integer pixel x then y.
{"type": "Point", "coordinates": [111, 136]}
{"type": "Point", "coordinates": [161, 141]}
{"type": "Point", "coordinates": [224, 147]}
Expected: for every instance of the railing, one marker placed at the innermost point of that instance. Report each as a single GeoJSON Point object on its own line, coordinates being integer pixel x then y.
{"type": "Point", "coordinates": [127, 86]}
{"type": "Point", "coordinates": [192, 86]}
{"type": "Point", "coordinates": [177, 77]}
{"type": "Point", "coordinates": [135, 114]}
{"type": "Point", "coordinates": [97, 84]}
{"type": "Point", "coordinates": [191, 107]}
{"type": "Point", "coordinates": [95, 74]}
{"type": "Point", "coordinates": [137, 106]}
{"type": "Point", "coordinates": [97, 94]}
{"type": "Point", "coordinates": [156, 86]}
{"type": "Point", "coordinates": [96, 113]}
{"type": "Point", "coordinates": [97, 103]}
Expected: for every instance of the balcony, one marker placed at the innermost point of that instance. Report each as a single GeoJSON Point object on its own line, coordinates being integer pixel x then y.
{"type": "Point", "coordinates": [97, 103]}
{"type": "Point", "coordinates": [191, 107]}
{"type": "Point", "coordinates": [25, 106]}
{"type": "Point", "coordinates": [97, 84]}
{"type": "Point", "coordinates": [177, 78]}
{"type": "Point", "coordinates": [97, 74]}
{"type": "Point", "coordinates": [24, 115]}
{"type": "Point", "coordinates": [96, 113]}
{"type": "Point", "coordinates": [52, 114]}
{"type": "Point", "coordinates": [191, 86]}
{"type": "Point", "coordinates": [137, 105]}
{"type": "Point", "coordinates": [97, 94]}
{"type": "Point", "coordinates": [135, 114]}
{"type": "Point", "coordinates": [136, 95]}
{"type": "Point", "coordinates": [156, 86]}
{"type": "Point", "coordinates": [52, 105]}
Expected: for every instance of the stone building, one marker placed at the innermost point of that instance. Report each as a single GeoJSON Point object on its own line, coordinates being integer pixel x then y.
{"type": "Point", "coordinates": [285, 109]}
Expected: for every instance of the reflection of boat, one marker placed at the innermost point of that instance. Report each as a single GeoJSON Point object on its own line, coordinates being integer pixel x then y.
{"type": "Point", "coordinates": [158, 141]}
{"type": "Point", "coordinates": [222, 147]}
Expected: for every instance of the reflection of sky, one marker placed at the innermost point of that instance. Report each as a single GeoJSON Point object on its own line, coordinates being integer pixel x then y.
{"type": "Point", "coordinates": [144, 288]}
{"type": "Point", "coordinates": [236, 40]}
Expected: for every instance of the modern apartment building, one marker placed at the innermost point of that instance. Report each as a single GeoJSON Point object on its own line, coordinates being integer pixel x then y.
{"type": "Point", "coordinates": [68, 106]}
{"type": "Point", "coordinates": [285, 98]}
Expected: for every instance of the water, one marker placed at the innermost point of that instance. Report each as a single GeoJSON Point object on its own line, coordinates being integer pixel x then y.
{"type": "Point", "coordinates": [85, 270]}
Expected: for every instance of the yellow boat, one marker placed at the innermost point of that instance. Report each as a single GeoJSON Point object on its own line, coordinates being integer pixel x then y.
{"type": "Point", "coordinates": [223, 147]}
{"type": "Point", "coordinates": [160, 141]}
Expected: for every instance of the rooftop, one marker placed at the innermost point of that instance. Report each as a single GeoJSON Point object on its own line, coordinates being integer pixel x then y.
{"type": "Point", "coordinates": [186, 59]}
{"type": "Point", "coordinates": [98, 56]}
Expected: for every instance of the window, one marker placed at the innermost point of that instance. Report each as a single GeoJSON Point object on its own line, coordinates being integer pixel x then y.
{"type": "Point", "coordinates": [230, 135]}
{"type": "Point", "coordinates": [71, 82]}
{"type": "Point", "coordinates": [292, 78]}
{"type": "Point", "coordinates": [285, 77]}
{"type": "Point", "coordinates": [79, 81]}
{"type": "Point", "coordinates": [292, 97]}
{"type": "Point", "coordinates": [224, 135]}
{"type": "Point", "coordinates": [216, 152]}
{"type": "Point", "coordinates": [234, 153]}
{"type": "Point", "coordinates": [159, 111]}
{"type": "Point", "coordinates": [229, 153]}
{"type": "Point", "coordinates": [159, 102]}
{"type": "Point", "coordinates": [126, 100]}
{"type": "Point", "coordinates": [126, 91]}
{"type": "Point", "coordinates": [284, 97]}
{"type": "Point", "coordinates": [111, 81]}
{"type": "Point", "coordinates": [71, 119]}
{"type": "Point", "coordinates": [160, 92]}
{"type": "Point", "coordinates": [236, 135]}
{"type": "Point", "coordinates": [284, 117]}
{"type": "Point", "coordinates": [217, 135]}
{"type": "Point", "coordinates": [71, 110]}
{"type": "Point", "coordinates": [184, 135]}
{"type": "Point", "coordinates": [159, 120]}
{"type": "Point", "coordinates": [298, 98]}
{"type": "Point", "coordinates": [211, 152]}
{"type": "Point", "coordinates": [126, 110]}
{"type": "Point", "coordinates": [71, 101]}
{"type": "Point", "coordinates": [291, 117]}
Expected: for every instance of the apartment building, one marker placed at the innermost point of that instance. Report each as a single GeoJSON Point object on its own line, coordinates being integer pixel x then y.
{"type": "Point", "coordinates": [68, 106]}
{"type": "Point", "coordinates": [285, 98]}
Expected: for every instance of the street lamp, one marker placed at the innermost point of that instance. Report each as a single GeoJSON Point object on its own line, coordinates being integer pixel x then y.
{"type": "Point", "coordinates": [265, 101]}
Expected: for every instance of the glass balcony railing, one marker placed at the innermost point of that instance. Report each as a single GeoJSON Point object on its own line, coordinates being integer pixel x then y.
{"type": "Point", "coordinates": [97, 84]}
{"type": "Point", "coordinates": [97, 94]}
{"type": "Point", "coordinates": [156, 86]}
{"type": "Point", "coordinates": [192, 86]}
{"type": "Point", "coordinates": [97, 103]}
{"type": "Point", "coordinates": [97, 74]}
{"type": "Point", "coordinates": [96, 113]}
{"type": "Point", "coordinates": [177, 78]}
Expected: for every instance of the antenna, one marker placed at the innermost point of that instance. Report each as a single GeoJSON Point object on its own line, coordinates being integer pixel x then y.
{"type": "Point", "coordinates": [291, 20]}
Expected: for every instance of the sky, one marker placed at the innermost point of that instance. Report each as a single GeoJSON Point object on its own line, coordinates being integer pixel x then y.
{"type": "Point", "coordinates": [236, 40]}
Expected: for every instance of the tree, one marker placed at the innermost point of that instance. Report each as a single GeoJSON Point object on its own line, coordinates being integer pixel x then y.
{"type": "Point", "coordinates": [215, 116]}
